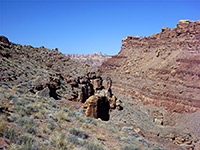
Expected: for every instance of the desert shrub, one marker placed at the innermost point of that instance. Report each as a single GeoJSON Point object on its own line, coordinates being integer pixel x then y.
{"type": "Point", "coordinates": [27, 123]}
{"type": "Point", "coordinates": [155, 147]}
{"type": "Point", "coordinates": [31, 146]}
{"type": "Point", "coordinates": [125, 128]}
{"type": "Point", "coordinates": [9, 132]}
{"type": "Point", "coordinates": [66, 110]}
{"type": "Point", "coordinates": [39, 115]}
{"type": "Point", "coordinates": [28, 143]}
{"type": "Point", "coordinates": [75, 140]}
{"type": "Point", "coordinates": [94, 146]}
{"type": "Point", "coordinates": [59, 141]}
{"type": "Point", "coordinates": [72, 114]}
{"type": "Point", "coordinates": [52, 126]}
{"type": "Point", "coordinates": [80, 119]}
{"type": "Point", "coordinates": [25, 140]}
{"type": "Point", "coordinates": [61, 116]}
{"type": "Point", "coordinates": [78, 133]}
{"type": "Point", "coordinates": [130, 147]}
{"type": "Point", "coordinates": [91, 121]}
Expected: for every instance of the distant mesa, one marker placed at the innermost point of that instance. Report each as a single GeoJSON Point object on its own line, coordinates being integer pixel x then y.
{"type": "Point", "coordinates": [87, 56]}
{"type": "Point", "coordinates": [94, 59]}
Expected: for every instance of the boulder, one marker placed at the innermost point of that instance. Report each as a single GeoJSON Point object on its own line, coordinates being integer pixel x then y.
{"type": "Point", "coordinates": [45, 92]}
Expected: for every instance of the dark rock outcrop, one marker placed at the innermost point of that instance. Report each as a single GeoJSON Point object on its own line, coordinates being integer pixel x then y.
{"type": "Point", "coordinates": [4, 40]}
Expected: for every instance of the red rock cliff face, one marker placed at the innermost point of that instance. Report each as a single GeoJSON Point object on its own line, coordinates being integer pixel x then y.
{"type": "Point", "coordinates": [162, 69]}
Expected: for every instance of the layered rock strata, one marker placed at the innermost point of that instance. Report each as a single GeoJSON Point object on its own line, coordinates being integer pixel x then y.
{"type": "Point", "coordinates": [162, 69]}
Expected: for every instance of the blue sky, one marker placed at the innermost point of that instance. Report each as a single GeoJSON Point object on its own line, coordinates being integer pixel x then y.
{"type": "Point", "coordinates": [89, 26]}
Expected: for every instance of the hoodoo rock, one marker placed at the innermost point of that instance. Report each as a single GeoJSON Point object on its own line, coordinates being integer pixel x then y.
{"type": "Point", "coordinates": [103, 101]}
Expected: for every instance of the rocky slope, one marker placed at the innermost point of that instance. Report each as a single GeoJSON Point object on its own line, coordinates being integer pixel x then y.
{"type": "Point", "coordinates": [160, 76]}
{"type": "Point", "coordinates": [48, 101]}
{"type": "Point", "coordinates": [94, 60]}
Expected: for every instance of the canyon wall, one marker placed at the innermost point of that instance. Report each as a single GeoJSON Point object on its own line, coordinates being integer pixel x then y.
{"type": "Point", "coordinates": [162, 69]}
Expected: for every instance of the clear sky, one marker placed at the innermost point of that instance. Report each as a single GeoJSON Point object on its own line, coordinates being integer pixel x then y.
{"type": "Point", "coordinates": [89, 26]}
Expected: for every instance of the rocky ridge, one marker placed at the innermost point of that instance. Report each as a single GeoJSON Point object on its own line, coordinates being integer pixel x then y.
{"type": "Point", "coordinates": [51, 74]}
{"type": "Point", "coordinates": [158, 78]}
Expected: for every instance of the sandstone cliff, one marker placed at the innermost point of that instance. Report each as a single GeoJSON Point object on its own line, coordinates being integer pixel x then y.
{"type": "Point", "coordinates": [164, 68]}
{"type": "Point", "coordinates": [158, 78]}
